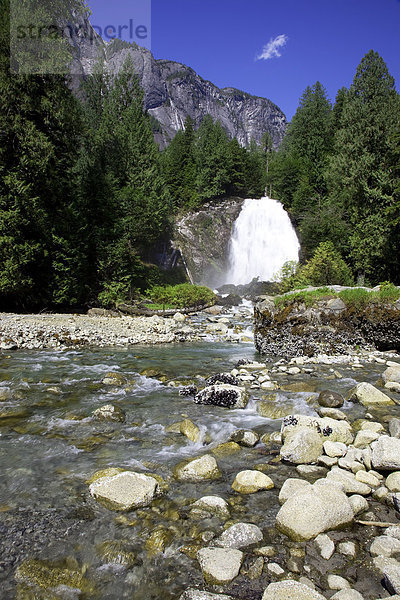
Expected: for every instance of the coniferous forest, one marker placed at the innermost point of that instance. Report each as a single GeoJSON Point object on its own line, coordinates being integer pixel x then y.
{"type": "Point", "coordinates": [87, 198]}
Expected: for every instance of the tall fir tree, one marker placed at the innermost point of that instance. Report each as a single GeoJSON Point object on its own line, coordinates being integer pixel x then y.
{"type": "Point", "coordinates": [358, 177]}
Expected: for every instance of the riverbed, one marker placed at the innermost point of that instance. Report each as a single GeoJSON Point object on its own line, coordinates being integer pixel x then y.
{"type": "Point", "coordinates": [51, 445]}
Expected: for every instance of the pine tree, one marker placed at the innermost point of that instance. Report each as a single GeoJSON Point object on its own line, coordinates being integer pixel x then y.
{"type": "Point", "coordinates": [212, 160]}
{"type": "Point", "coordinates": [358, 177]}
{"type": "Point", "coordinates": [40, 125]}
{"type": "Point", "coordinates": [180, 167]}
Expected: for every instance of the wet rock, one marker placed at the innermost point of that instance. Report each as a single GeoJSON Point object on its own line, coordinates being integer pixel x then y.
{"type": "Point", "coordinates": [123, 490]}
{"type": "Point", "coordinates": [14, 412]}
{"type": "Point", "coordinates": [117, 552]}
{"type": "Point", "coordinates": [314, 510]}
{"type": "Point", "coordinates": [224, 395]}
{"type": "Point", "coordinates": [245, 438]}
{"type": "Point", "coordinates": [329, 429]}
{"type": "Point", "coordinates": [158, 541]}
{"type": "Point", "coordinates": [192, 594]}
{"type": "Point", "coordinates": [240, 535]}
{"type": "Point", "coordinates": [226, 378]}
{"type": "Point", "coordinates": [391, 374]}
{"type": "Point", "coordinates": [189, 390]}
{"type": "Point", "coordinates": [249, 482]}
{"type": "Point", "coordinates": [226, 449]}
{"type": "Point", "coordinates": [220, 565]}
{"type": "Point", "coordinates": [333, 413]}
{"type": "Point", "coordinates": [212, 504]}
{"type": "Point", "coordinates": [368, 395]}
{"type": "Point", "coordinates": [302, 445]}
{"type": "Point", "coordinates": [325, 545]}
{"type": "Point", "coordinates": [275, 407]}
{"type": "Point", "coordinates": [198, 469]}
{"type": "Point", "coordinates": [386, 453]}
{"type": "Point", "coordinates": [290, 590]}
{"type": "Point", "coordinates": [37, 575]}
{"type": "Point", "coordinates": [189, 430]}
{"type": "Point", "coordinates": [114, 379]}
{"type": "Point", "coordinates": [109, 412]}
{"type": "Point", "coordinates": [330, 399]}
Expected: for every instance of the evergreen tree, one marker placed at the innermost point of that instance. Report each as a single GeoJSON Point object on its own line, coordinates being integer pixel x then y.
{"type": "Point", "coordinates": [358, 177]}
{"type": "Point", "coordinates": [212, 160]}
{"type": "Point", "coordinates": [40, 125]}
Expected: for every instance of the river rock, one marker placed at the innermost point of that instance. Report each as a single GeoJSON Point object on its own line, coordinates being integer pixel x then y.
{"type": "Point", "coordinates": [368, 395]}
{"type": "Point", "coordinates": [349, 481]}
{"type": "Point", "coordinates": [212, 504]}
{"type": "Point", "coordinates": [192, 594]}
{"type": "Point", "coordinates": [189, 430]}
{"type": "Point", "coordinates": [198, 469]}
{"type": "Point", "coordinates": [329, 429]}
{"type": "Point", "coordinates": [109, 412]}
{"type": "Point", "coordinates": [358, 503]}
{"type": "Point", "coordinates": [249, 482]}
{"type": "Point", "coordinates": [384, 545]}
{"type": "Point", "coordinates": [393, 481]}
{"type": "Point", "coordinates": [391, 374]}
{"type": "Point", "coordinates": [365, 437]}
{"type": "Point", "coordinates": [302, 445]}
{"type": "Point", "coordinates": [330, 399]}
{"type": "Point", "coordinates": [335, 449]}
{"type": "Point", "coordinates": [290, 590]}
{"type": "Point", "coordinates": [325, 545]}
{"type": "Point", "coordinates": [240, 535]}
{"type": "Point", "coordinates": [347, 594]}
{"type": "Point", "coordinates": [314, 510]}
{"type": "Point", "coordinates": [335, 582]}
{"type": "Point", "coordinates": [114, 379]}
{"type": "Point", "coordinates": [386, 453]}
{"type": "Point", "coordinates": [124, 490]}
{"type": "Point", "coordinates": [225, 395]}
{"type": "Point", "coordinates": [220, 565]}
{"type": "Point", "coordinates": [394, 427]}
{"type": "Point", "coordinates": [290, 487]}
{"type": "Point", "coordinates": [245, 438]}
{"type": "Point", "coordinates": [333, 413]}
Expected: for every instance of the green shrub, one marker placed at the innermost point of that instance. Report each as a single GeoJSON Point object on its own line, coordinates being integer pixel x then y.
{"type": "Point", "coordinates": [325, 268]}
{"type": "Point", "coordinates": [308, 297]}
{"type": "Point", "coordinates": [184, 295]}
{"type": "Point", "coordinates": [388, 292]}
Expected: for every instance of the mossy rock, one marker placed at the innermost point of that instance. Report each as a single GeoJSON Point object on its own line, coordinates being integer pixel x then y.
{"type": "Point", "coordinates": [46, 575]}
{"type": "Point", "coordinates": [226, 449]}
{"type": "Point", "coordinates": [158, 541]}
{"type": "Point", "coordinates": [117, 552]}
{"type": "Point", "coordinates": [274, 409]}
{"type": "Point", "coordinates": [299, 386]}
{"type": "Point", "coordinates": [116, 379]}
{"type": "Point", "coordinates": [14, 412]}
{"type": "Point", "coordinates": [104, 473]}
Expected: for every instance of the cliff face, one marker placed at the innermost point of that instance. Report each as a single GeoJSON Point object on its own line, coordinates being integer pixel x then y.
{"type": "Point", "coordinates": [174, 91]}
{"type": "Point", "coordinates": [203, 239]}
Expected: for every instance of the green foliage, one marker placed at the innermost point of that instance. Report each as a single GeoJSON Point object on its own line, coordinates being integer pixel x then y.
{"type": "Point", "coordinates": [181, 296]}
{"type": "Point", "coordinates": [325, 268]}
{"type": "Point", "coordinates": [359, 297]}
{"type": "Point", "coordinates": [307, 297]}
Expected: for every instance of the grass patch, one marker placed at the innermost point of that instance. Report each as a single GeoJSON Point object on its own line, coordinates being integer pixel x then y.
{"type": "Point", "coordinates": [307, 297]}
{"type": "Point", "coordinates": [181, 296]}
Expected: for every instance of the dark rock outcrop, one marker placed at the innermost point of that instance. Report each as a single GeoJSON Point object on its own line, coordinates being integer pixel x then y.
{"type": "Point", "coordinates": [293, 329]}
{"type": "Point", "coordinates": [174, 91]}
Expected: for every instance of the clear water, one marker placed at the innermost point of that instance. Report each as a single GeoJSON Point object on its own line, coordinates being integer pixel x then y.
{"type": "Point", "coordinates": [48, 454]}
{"type": "Point", "coordinates": [263, 239]}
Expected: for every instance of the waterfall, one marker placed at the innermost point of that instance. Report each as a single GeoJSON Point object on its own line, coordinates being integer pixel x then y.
{"type": "Point", "coordinates": [263, 239]}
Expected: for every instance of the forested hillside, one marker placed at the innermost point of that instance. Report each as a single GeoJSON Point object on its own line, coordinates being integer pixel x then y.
{"type": "Point", "coordinates": [86, 197]}
{"type": "Point", "coordinates": [338, 169]}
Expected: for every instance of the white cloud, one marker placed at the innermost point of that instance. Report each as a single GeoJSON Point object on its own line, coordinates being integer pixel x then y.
{"type": "Point", "coordinates": [272, 48]}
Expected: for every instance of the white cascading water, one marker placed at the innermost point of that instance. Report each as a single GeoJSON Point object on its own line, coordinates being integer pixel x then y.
{"type": "Point", "coordinates": [263, 239]}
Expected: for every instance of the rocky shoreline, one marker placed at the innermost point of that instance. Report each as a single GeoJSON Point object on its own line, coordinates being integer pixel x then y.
{"type": "Point", "coordinates": [305, 506]}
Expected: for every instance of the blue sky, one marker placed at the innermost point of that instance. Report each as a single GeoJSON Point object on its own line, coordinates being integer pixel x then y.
{"type": "Point", "coordinates": [314, 40]}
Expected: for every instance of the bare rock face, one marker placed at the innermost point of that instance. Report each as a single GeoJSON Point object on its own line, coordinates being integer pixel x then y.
{"type": "Point", "coordinates": [174, 91]}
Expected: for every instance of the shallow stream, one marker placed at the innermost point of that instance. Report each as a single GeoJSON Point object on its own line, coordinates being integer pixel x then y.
{"type": "Point", "coordinates": [51, 445]}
